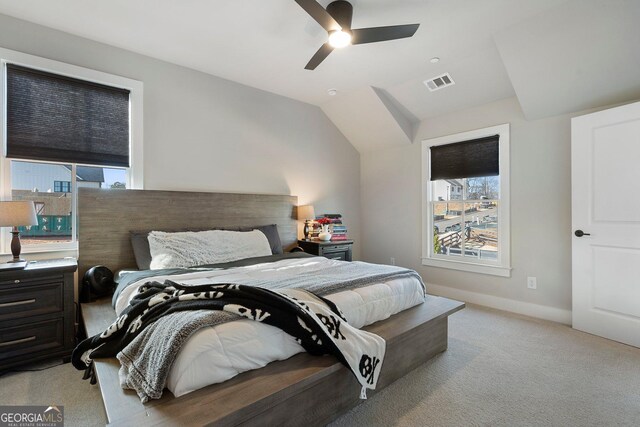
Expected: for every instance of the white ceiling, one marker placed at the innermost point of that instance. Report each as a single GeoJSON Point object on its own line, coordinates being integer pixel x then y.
{"type": "Point", "coordinates": [266, 43]}
{"type": "Point", "coordinates": [574, 57]}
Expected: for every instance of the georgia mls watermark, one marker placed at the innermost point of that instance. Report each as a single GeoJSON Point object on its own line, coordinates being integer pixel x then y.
{"type": "Point", "coordinates": [31, 416]}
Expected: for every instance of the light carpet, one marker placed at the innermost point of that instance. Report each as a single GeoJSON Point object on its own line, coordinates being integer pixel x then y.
{"type": "Point", "coordinates": [501, 369]}
{"type": "Point", "coordinates": [58, 385]}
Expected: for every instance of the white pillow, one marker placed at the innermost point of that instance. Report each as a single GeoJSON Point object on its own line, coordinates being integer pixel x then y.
{"type": "Point", "coordinates": [189, 248]}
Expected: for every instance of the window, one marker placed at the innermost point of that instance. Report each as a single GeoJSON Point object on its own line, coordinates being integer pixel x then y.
{"type": "Point", "coordinates": [58, 186]}
{"type": "Point", "coordinates": [466, 201]}
{"type": "Point", "coordinates": [64, 127]}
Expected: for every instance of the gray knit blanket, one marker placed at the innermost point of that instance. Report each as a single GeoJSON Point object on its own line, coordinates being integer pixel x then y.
{"type": "Point", "coordinates": [147, 360]}
{"type": "Point", "coordinates": [323, 279]}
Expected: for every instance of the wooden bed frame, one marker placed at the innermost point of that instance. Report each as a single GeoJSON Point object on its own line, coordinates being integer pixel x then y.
{"type": "Point", "coordinates": [302, 390]}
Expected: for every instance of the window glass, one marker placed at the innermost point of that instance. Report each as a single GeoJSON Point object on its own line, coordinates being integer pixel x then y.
{"type": "Point", "coordinates": [115, 178]}
{"type": "Point", "coordinates": [469, 227]}
{"type": "Point", "coordinates": [482, 235]}
{"type": "Point", "coordinates": [448, 189]}
{"type": "Point", "coordinates": [487, 187]}
{"type": "Point", "coordinates": [99, 177]}
{"type": "Point", "coordinates": [54, 206]}
{"type": "Point", "coordinates": [447, 239]}
{"type": "Point", "coordinates": [50, 187]}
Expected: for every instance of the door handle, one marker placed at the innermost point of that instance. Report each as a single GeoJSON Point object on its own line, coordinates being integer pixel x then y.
{"type": "Point", "coordinates": [580, 233]}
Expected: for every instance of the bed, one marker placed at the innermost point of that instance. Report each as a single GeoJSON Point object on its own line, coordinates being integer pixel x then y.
{"type": "Point", "coordinates": [299, 389]}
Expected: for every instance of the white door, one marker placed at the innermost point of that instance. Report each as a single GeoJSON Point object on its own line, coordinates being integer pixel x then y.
{"type": "Point", "coordinates": [605, 185]}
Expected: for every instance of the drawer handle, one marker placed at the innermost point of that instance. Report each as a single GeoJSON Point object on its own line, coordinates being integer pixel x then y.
{"type": "Point", "coordinates": [21, 340]}
{"type": "Point", "coordinates": [14, 303]}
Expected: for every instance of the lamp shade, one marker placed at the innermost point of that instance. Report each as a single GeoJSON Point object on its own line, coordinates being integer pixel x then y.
{"type": "Point", "coordinates": [16, 214]}
{"type": "Point", "coordinates": [306, 212]}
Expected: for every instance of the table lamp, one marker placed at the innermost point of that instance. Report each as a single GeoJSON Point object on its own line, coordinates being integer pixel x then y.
{"type": "Point", "coordinates": [16, 214]}
{"type": "Point", "coordinates": [306, 213]}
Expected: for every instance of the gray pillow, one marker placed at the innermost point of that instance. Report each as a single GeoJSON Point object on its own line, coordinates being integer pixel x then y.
{"type": "Point", "coordinates": [142, 253]}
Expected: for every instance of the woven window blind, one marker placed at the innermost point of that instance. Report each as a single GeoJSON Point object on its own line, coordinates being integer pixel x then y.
{"type": "Point", "coordinates": [58, 118]}
{"type": "Point", "coordinates": [467, 159]}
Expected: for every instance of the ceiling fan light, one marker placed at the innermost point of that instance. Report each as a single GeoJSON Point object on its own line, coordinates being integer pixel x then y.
{"type": "Point", "coordinates": [338, 39]}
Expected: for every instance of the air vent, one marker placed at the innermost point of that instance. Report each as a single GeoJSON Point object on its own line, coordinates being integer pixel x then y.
{"type": "Point", "coordinates": [439, 82]}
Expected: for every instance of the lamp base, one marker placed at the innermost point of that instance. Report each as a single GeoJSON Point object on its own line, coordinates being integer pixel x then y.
{"type": "Point", "coordinates": [15, 245]}
{"type": "Point", "coordinates": [306, 229]}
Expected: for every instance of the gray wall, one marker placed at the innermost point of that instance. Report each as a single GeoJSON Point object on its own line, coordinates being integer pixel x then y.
{"type": "Point", "coordinates": [206, 133]}
{"type": "Point", "coordinates": [540, 207]}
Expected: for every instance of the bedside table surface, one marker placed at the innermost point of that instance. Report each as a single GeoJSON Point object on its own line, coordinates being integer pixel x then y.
{"type": "Point", "coordinates": [34, 267]}
{"type": "Point", "coordinates": [52, 263]}
{"type": "Point", "coordinates": [327, 242]}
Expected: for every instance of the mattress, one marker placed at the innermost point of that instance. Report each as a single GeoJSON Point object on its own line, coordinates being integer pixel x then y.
{"type": "Point", "coordinates": [216, 354]}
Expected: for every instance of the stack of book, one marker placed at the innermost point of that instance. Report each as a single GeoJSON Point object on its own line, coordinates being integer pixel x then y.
{"type": "Point", "coordinates": [337, 229]}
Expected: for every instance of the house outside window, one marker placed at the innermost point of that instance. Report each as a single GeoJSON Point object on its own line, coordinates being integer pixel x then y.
{"type": "Point", "coordinates": [466, 201]}
{"type": "Point", "coordinates": [50, 169]}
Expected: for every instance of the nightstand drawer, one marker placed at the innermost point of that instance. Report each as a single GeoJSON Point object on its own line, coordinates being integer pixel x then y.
{"type": "Point", "coordinates": [18, 302]}
{"type": "Point", "coordinates": [333, 248]}
{"type": "Point", "coordinates": [340, 249]}
{"type": "Point", "coordinates": [30, 338]}
{"type": "Point", "coordinates": [31, 281]}
{"type": "Point", "coordinates": [342, 255]}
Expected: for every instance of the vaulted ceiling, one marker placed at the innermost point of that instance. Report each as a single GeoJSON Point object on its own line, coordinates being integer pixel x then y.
{"type": "Point", "coordinates": [556, 56]}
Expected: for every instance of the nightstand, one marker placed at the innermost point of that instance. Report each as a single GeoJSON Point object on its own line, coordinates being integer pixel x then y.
{"type": "Point", "coordinates": [37, 313]}
{"type": "Point", "coordinates": [339, 249]}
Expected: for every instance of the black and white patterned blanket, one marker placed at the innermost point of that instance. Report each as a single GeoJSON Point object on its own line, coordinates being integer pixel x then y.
{"type": "Point", "coordinates": [316, 323]}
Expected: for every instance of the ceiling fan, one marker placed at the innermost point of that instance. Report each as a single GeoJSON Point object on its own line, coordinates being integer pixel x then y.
{"type": "Point", "coordinates": [336, 20]}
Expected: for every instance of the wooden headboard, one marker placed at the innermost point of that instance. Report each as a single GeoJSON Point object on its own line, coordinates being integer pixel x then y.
{"type": "Point", "coordinates": [105, 218]}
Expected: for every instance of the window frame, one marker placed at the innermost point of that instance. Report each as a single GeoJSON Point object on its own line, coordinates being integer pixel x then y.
{"type": "Point", "coordinates": [501, 267]}
{"type": "Point", "coordinates": [135, 172]}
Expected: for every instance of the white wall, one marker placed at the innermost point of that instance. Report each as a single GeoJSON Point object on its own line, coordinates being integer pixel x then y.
{"type": "Point", "coordinates": [540, 211]}
{"type": "Point", "coordinates": [209, 134]}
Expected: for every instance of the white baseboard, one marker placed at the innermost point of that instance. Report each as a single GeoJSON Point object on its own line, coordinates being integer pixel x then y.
{"type": "Point", "coordinates": [528, 309]}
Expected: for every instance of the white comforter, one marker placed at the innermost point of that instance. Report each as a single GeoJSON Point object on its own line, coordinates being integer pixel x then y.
{"type": "Point", "coordinates": [216, 354]}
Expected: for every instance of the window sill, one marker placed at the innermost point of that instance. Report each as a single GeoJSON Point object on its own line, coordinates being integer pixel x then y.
{"type": "Point", "coordinates": [43, 251]}
{"type": "Point", "coordinates": [494, 270]}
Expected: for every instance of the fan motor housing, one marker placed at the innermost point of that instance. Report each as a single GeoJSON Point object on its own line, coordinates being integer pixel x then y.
{"type": "Point", "coordinates": [342, 12]}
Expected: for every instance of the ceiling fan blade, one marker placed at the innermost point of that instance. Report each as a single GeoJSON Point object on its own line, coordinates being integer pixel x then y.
{"type": "Point", "coordinates": [320, 56]}
{"type": "Point", "coordinates": [380, 34]}
{"type": "Point", "coordinates": [317, 12]}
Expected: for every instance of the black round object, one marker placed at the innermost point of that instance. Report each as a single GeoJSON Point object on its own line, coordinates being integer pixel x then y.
{"type": "Point", "coordinates": [99, 279]}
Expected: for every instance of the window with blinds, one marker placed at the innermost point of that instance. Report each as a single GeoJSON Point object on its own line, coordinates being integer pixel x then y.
{"type": "Point", "coordinates": [464, 198]}
{"type": "Point", "coordinates": [51, 117]}
{"type": "Point", "coordinates": [63, 133]}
